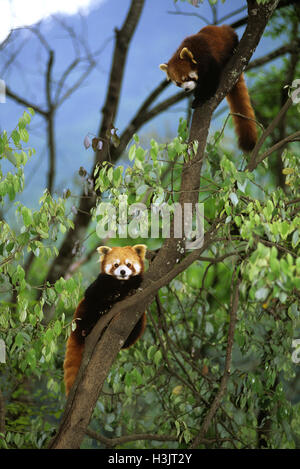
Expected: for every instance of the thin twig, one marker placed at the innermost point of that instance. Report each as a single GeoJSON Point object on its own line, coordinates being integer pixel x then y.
{"type": "Point", "coordinates": [224, 380]}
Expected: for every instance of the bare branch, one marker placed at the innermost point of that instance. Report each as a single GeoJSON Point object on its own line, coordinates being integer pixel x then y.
{"type": "Point", "coordinates": [50, 124]}
{"type": "Point", "coordinates": [35, 29]}
{"type": "Point", "coordinates": [77, 84]}
{"type": "Point", "coordinates": [231, 14]}
{"type": "Point", "coordinates": [63, 78]}
{"type": "Point", "coordinates": [185, 13]}
{"type": "Point", "coordinates": [26, 103]}
{"type": "Point", "coordinates": [288, 48]}
{"type": "Point", "coordinates": [295, 137]}
{"type": "Point", "coordinates": [252, 162]}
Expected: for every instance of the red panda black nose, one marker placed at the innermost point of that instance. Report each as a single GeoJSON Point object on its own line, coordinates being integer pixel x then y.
{"type": "Point", "coordinates": [122, 272]}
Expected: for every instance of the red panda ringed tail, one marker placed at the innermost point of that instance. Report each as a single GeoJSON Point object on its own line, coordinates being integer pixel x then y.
{"type": "Point", "coordinates": [121, 274]}
{"type": "Point", "coordinates": [197, 66]}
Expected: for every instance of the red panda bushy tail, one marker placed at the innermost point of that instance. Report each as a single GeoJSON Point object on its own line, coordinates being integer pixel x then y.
{"type": "Point", "coordinates": [72, 361]}
{"type": "Point", "coordinates": [239, 102]}
{"type": "Point", "coordinates": [74, 353]}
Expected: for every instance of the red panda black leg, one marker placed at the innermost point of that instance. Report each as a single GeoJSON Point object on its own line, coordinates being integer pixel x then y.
{"type": "Point", "coordinates": [206, 88]}
{"type": "Point", "coordinates": [136, 332]}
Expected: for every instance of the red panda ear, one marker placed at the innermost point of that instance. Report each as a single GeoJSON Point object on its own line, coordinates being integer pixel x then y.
{"type": "Point", "coordinates": [185, 53]}
{"type": "Point", "coordinates": [140, 249]}
{"type": "Point", "coordinates": [164, 68]}
{"type": "Point", "coordinates": [103, 250]}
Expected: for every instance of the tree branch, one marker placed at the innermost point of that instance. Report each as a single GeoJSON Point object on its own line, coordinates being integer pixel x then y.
{"type": "Point", "coordinates": [287, 48]}
{"type": "Point", "coordinates": [269, 130]}
{"type": "Point", "coordinates": [295, 137]}
{"type": "Point", "coordinates": [25, 102]}
{"type": "Point", "coordinates": [50, 124]}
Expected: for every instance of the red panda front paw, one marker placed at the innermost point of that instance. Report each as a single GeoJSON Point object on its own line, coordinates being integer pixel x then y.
{"type": "Point", "coordinates": [196, 103]}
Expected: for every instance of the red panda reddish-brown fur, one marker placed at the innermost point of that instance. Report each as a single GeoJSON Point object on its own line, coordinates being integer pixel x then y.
{"type": "Point", "coordinates": [198, 64]}
{"type": "Point", "coordinates": [74, 351]}
{"type": "Point", "coordinates": [239, 103]}
{"type": "Point", "coordinates": [121, 274]}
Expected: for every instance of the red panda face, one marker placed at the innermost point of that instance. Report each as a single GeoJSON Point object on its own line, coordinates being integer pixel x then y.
{"type": "Point", "coordinates": [183, 76]}
{"type": "Point", "coordinates": [122, 262]}
{"type": "Point", "coordinates": [181, 69]}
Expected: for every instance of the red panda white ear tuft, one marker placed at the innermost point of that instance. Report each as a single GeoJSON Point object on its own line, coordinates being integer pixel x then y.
{"type": "Point", "coordinates": [140, 249]}
{"type": "Point", "coordinates": [164, 68]}
{"type": "Point", "coordinates": [103, 250]}
{"type": "Point", "coordinates": [185, 53]}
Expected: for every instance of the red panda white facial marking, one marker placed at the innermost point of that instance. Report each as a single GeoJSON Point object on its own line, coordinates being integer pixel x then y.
{"type": "Point", "coordinates": [107, 268]}
{"type": "Point", "coordinates": [137, 268]}
{"type": "Point", "coordinates": [123, 272]}
{"type": "Point", "coordinates": [194, 75]}
{"type": "Point", "coordinates": [189, 85]}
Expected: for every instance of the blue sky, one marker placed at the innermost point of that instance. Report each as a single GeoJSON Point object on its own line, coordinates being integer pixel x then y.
{"type": "Point", "coordinates": [157, 36]}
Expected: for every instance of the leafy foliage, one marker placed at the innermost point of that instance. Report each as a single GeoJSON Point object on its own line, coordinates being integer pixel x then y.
{"type": "Point", "coordinates": [169, 378]}
{"type": "Point", "coordinates": [30, 376]}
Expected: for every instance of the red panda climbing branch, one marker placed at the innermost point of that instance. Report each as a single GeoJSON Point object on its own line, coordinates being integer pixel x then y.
{"type": "Point", "coordinates": [197, 65]}
{"type": "Point", "coordinates": [121, 274]}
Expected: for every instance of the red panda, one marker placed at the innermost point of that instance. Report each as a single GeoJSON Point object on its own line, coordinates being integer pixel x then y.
{"type": "Point", "coordinates": [197, 65]}
{"type": "Point", "coordinates": [121, 274]}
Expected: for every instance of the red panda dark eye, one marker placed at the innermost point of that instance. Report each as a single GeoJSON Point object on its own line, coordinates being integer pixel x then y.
{"type": "Point", "coordinates": [116, 265]}
{"type": "Point", "coordinates": [128, 264]}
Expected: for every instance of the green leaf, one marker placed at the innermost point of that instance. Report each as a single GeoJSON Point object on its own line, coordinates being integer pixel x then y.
{"type": "Point", "coordinates": [131, 153]}
{"type": "Point", "coordinates": [24, 135]}
{"type": "Point", "coordinates": [23, 315]}
{"type": "Point", "coordinates": [117, 176]}
{"type": "Point", "coordinates": [62, 228]}
{"type": "Point", "coordinates": [57, 327]}
{"type": "Point", "coordinates": [16, 137]}
{"type": "Point", "coordinates": [27, 216]}
{"type": "Point", "coordinates": [157, 357]}
{"type": "Point", "coordinates": [284, 229]}
{"type": "Point", "coordinates": [19, 340]}
{"type": "Point", "coordinates": [110, 174]}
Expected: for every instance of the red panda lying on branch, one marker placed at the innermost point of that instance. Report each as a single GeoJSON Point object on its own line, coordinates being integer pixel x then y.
{"type": "Point", "coordinates": [197, 65]}
{"type": "Point", "coordinates": [121, 274]}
